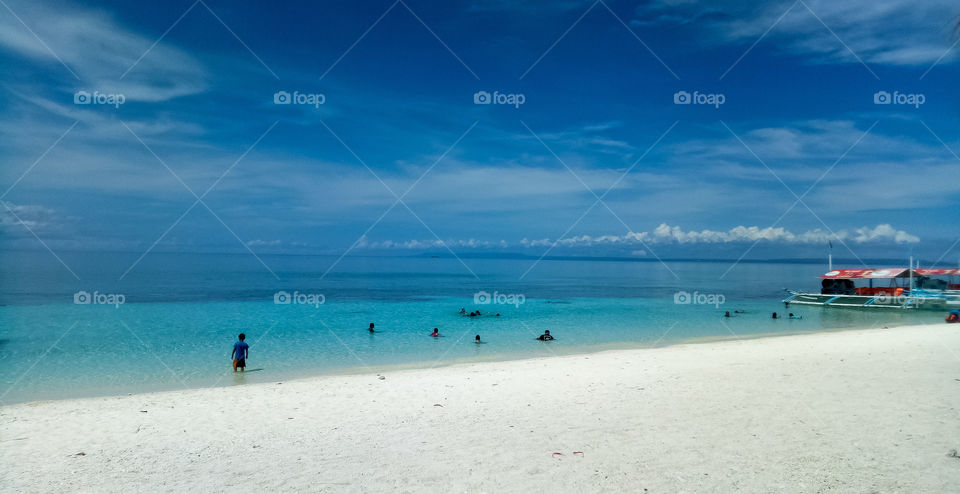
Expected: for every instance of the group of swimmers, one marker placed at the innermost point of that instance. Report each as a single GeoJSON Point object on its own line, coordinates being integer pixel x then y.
{"type": "Point", "coordinates": [546, 336]}
{"type": "Point", "coordinates": [789, 316]}
{"type": "Point", "coordinates": [476, 313]}
{"type": "Point", "coordinates": [773, 316]}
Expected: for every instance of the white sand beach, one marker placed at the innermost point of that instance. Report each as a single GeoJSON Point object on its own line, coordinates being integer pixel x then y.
{"type": "Point", "coordinates": [854, 411]}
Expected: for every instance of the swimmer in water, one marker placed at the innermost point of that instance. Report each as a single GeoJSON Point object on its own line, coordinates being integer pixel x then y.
{"type": "Point", "coordinates": [435, 333]}
{"type": "Point", "coordinates": [371, 328]}
{"type": "Point", "coordinates": [545, 336]}
{"type": "Point", "coordinates": [477, 340]}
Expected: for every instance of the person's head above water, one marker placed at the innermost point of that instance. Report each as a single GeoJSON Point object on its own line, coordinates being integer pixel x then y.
{"type": "Point", "coordinates": [371, 325]}
{"type": "Point", "coordinates": [546, 332]}
{"type": "Point", "coordinates": [478, 339]}
{"type": "Point", "coordinates": [242, 336]}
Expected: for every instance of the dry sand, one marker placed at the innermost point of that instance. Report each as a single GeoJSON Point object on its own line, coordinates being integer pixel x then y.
{"type": "Point", "coordinates": [853, 411]}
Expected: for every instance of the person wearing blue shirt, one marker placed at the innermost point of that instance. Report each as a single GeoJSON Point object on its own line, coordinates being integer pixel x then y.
{"type": "Point", "coordinates": [239, 354]}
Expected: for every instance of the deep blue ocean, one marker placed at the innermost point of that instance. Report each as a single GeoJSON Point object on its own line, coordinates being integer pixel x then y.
{"type": "Point", "coordinates": [171, 321]}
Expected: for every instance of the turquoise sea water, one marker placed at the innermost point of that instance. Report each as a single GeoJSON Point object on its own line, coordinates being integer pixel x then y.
{"type": "Point", "coordinates": [181, 313]}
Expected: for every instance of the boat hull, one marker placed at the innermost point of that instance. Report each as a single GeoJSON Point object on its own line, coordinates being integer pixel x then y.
{"type": "Point", "coordinates": [902, 302]}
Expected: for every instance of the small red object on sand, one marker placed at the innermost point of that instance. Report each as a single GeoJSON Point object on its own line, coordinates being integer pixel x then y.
{"type": "Point", "coordinates": [578, 453]}
{"type": "Point", "coordinates": [556, 454]}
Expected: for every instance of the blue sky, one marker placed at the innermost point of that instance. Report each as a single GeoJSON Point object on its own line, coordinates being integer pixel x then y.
{"type": "Point", "coordinates": [798, 153]}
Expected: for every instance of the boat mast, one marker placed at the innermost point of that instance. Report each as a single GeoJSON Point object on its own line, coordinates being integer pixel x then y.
{"type": "Point", "coordinates": [830, 258]}
{"type": "Point", "coordinates": [911, 273]}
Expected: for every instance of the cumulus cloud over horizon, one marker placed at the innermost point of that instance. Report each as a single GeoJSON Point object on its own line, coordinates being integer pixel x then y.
{"type": "Point", "coordinates": [665, 233]}
{"type": "Point", "coordinates": [674, 234]}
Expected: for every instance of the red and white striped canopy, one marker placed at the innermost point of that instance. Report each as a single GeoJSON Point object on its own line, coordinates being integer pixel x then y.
{"type": "Point", "coordinates": [882, 273]}
{"type": "Point", "coordinates": [842, 274]}
{"type": "Point", "coordinates": [938, 272]}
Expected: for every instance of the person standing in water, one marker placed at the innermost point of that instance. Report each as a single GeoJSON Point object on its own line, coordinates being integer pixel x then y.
{"type": "Point", "coordinates": [371, 327]}
{"type": "Point", "coordinates": [239, 354]}
{"type": "Point", "coordinates": [435, 333]}
{"type": "Point", "coordinates": [477, 340]}
{"type": "Point", "coordinates": [545, 336]}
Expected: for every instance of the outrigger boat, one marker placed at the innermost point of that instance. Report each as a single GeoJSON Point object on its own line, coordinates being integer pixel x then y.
{"type": "Point", "coordinates": [906, 288]}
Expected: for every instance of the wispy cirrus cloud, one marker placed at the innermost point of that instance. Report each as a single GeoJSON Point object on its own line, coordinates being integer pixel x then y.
{"type": "Point", "coordinates": [893, 32]}
{"type": "Point", "coordinates": [13, 216]}
{"type": "Point", "coordinates": [99, 51]}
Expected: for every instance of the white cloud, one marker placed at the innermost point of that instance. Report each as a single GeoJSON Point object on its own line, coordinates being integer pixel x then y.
{"type": "Point", "coordinates": [274, 244]}
{"type": "Point", "coordinates": [674, 234]}
{"type": "Point", "coordinates": [739, 234]}
{"type": "Point", "coordinates": [264, 243]}
{"type": "Point", "coordinates": [99, 51]}
{"type": "Point", "coordinates": [364, 243]}
{"type": "Point", "coordinates": [882, 171]}
{"type": "Point", "coordinates": [666, 234]}
{"type": "Point", "coordinates": [14, 217]}
{"type": "Point", "coordinates": [883, 232]}
{"type": "Point", "coordinates": [892, 32]}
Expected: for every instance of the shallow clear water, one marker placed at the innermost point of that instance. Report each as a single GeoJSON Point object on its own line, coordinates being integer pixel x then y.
{"type": "Point", "coordinates": [181, 315]}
